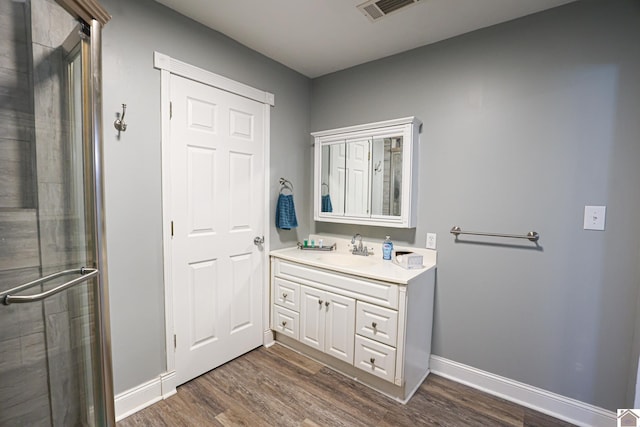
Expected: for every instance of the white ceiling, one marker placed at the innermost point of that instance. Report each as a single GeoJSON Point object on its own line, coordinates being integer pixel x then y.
{"type": "Point", "coordinates": [317, 37]}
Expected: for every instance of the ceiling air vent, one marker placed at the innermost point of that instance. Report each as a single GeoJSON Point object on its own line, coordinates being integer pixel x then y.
{"type": "Point", "coordinates": [378, 9]}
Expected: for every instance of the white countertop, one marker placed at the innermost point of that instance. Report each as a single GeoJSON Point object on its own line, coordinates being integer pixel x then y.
{"type": "Point", "coordinates": [372, 267]}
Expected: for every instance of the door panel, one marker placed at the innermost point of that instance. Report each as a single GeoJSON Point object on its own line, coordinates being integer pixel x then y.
{"type": "Point", "coordinates": [217, 193]}
{"type": "Point", "coordinates": [312, 317]}
{"type": "Point", "coordinates": [240, 201]}
{"type": "Point", "coordinates": [201, 190]}
{"type": "Point", "coordinates": [201, 115]}
{"type": "Point", "coordinates": [340, 326]}
{"type": "Point", "coordinates": [338, 177]}
{"type": "Point", "coordinates": [358, 177]}
{"type": "Point", "coordinates": [241, 313]}
{"type": "Point", "coordinates": [241, 124]}
{"type": "Point", "coordinates": [203, 292]}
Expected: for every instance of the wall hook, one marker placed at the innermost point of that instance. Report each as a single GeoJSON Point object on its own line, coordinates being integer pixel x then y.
{"type": "Point", "coordinates": [119, 124]}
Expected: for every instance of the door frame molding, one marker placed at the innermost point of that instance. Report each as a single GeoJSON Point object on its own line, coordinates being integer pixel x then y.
{"type": "Point", "coordinates": [168, 66]}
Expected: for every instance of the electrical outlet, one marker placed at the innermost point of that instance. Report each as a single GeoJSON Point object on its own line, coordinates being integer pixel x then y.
{"type": "Point", "coordinates": [431, 240]}
{"type": "Point", "coordinates": [594, 217]}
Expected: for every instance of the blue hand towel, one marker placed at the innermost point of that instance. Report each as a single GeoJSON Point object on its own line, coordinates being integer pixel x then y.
{"type": "Point", "coordinates": [326, 203]}
{"type": "Point", "coordinates": [286, 212]}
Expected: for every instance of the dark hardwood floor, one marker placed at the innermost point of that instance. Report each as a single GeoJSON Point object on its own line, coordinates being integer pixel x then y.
{"type": "Point", "coordinates": [279, 387]}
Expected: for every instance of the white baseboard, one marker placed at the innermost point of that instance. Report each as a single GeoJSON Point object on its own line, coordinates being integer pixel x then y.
{"type": "Point", "coordinates": [555, 405]}
{"type": "Point", "coordinates": [146, 394]}
{"type": "Point", "coordinates": [268, 339]}
{"type": "Point", "coordinates": [561, 407]}
{"type": "Point", "coordinates": [168, 382]}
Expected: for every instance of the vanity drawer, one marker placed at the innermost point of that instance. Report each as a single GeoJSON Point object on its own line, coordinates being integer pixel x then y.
{"type": "Point", "coordinates": [375, 358]}
{"type": "Point", "coordinates": [286, 294]}
{"type": "Point", "coordinates": [286, 322]}
{"type": "Point", "coordinates": [378, 323]}
{"type": "Point", "coordinates": [373, 291]}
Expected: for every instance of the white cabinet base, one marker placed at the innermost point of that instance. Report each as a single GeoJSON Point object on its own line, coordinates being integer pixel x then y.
{"type": "Point", "coordinates": [398, 393]}
{"type": "Point", "coordinates": [377, 332]}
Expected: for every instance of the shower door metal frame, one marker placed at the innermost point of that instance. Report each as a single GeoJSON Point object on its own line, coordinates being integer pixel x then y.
{"type": "Point", "coordinates": [94, 16]}
{"type": "Point", "coordinates": [92, 126]}
{"type": "Point", "coordinates": [88, 38]}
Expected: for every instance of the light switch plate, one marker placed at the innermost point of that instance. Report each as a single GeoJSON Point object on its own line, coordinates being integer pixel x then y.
{"type": "Point", "coordinates": [431, 240]}
{"type": "Point", "coordinates": [594, 217]}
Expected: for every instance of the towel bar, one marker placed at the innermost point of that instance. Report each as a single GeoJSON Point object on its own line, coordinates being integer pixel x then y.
{"type": "Point", "coordinates": [7, 297]}
{"type": "Point", "coordinates": [532, 235]}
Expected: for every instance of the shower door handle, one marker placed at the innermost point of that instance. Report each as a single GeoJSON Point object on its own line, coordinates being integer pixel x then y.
{"type": "Point", "coordinates": [86, 273]}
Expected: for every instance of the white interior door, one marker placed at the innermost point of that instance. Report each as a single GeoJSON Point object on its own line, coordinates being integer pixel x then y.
{"type": "Point", "coordinates": [217, 207]}
{"type": "Point", "coordinates": [357, 197]}
{"type": "Point", "coordinates": [337, 176]}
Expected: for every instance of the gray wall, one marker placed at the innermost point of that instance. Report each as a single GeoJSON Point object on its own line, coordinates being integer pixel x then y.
{"type": "Point", "coordinates": [133, 162]}
{"type": "Point", "coordinates": [525, 123]}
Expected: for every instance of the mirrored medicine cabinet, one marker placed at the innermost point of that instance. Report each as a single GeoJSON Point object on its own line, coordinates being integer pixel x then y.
{"type": "Point", "coordinates": [368, 174]}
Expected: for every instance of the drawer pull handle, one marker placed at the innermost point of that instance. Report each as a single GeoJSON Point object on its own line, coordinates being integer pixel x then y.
{"type": "Point", "coordinates": [284, 295]}
{"type": "Point", "coordinates": [320, 302]}
{"type": "Point", "coordinates": [372, 360]}
{"type": "Point", "coordinates": [284, 323]}
{"type": "Point", "coordinates": [326, 304]}
{"type": "Point", "coordinates": [374, 325]}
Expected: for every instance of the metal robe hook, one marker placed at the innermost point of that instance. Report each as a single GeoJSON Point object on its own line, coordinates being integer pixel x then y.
{"type": "Point", "coordinates": [119, 124]}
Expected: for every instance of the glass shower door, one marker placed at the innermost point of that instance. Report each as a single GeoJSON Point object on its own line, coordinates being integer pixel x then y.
{"type": "Point", "coordinates": [50, 357]}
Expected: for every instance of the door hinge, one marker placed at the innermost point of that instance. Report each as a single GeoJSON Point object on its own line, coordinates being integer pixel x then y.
{"type": "Point", "coordinates": [369, 155]}
{"type": "Point", "coordinates": [171, 228]}
{"type": "Point", "coordinates": [175, 341]}
{"type": "Point", "coordinates": [170, 110]}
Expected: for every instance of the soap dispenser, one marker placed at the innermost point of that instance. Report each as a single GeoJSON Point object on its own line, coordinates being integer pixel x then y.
{"type": "Point", "coordinates": [387, 248]}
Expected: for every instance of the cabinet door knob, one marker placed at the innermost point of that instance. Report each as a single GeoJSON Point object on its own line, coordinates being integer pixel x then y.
{"type": "Point", "coordinates": [320, 302]}
{"type": "Point", "coordinates": [284, 323]}
{"type": "Point", "coordinates": [326, 304]}
{"type": "Point", "coordinates": [374, 325]}
{"type": "Point", "coordinates": [284, 295]}
{"type": "Point", "coordinates": [372, 360]}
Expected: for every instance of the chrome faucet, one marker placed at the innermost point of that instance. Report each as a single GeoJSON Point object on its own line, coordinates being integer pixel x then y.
{"type": "Point", "coordinates": [358, 250]}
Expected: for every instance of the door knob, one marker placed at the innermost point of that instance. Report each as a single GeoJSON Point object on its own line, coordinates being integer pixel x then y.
{"type": "Point", "coordinates": [258, 240]}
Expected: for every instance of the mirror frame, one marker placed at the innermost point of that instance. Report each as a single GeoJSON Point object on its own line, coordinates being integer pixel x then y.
{"type": "Point", "coordinates": [409, 129]}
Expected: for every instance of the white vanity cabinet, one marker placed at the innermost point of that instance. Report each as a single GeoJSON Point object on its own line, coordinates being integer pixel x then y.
{"type": "Point", "coordinates": [375, 331]}
{"type": "Point", "coordinates": [327, 322]}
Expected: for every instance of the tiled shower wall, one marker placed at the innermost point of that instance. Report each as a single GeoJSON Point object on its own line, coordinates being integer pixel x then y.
{"type": "Point", "coordinates": [22, 342]}
{"type": "Point", "coordinates": [36, 350]}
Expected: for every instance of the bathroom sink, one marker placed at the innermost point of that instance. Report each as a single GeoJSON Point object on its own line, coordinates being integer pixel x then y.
{"type": "Point", "coordinates": [342, 260]}
{"type": "Point", "coordinates": [347, 260]}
